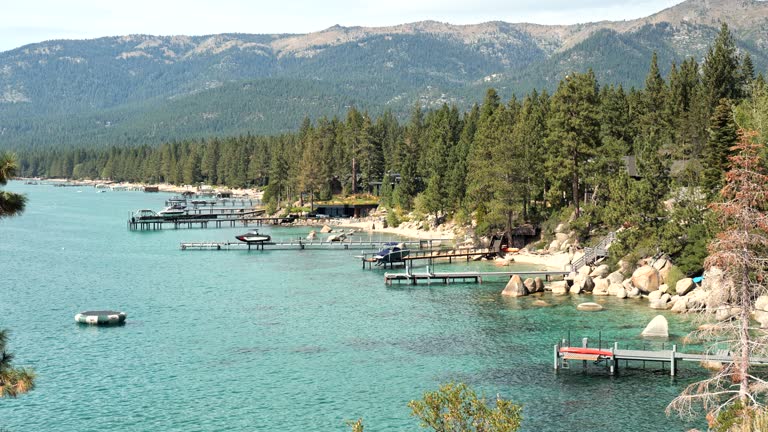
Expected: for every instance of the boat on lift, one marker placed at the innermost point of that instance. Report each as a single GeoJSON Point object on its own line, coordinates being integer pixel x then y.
{"type": "Point", "coordinates": [392, 254]}
{"type": "Point", "coordinates": [172, 211]}
{"type": "Point", "coordinates": [253, 237]}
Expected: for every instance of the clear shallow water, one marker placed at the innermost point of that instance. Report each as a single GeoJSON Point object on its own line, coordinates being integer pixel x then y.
{"type": "Point", "coordinates": [279, 340]}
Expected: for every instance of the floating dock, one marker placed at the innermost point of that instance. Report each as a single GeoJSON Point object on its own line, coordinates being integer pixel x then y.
{"type": "Point", "coordinates": [473, 276]}
{"type": "Point", "coordinates": [610, 358]}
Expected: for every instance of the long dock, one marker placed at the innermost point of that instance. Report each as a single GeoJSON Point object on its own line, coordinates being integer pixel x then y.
{"type": "Point", "coordinates": [429, 255]}
{"type": "Point", "coordinates": [611, 357]}
{"type": "Point", "coordinates": [302, 244]}
{"type": "Point", "coordinates": [473, 276]}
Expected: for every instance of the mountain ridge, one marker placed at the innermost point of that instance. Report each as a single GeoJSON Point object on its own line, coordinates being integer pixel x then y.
{"type": "Point", "coordinates": [375, 68]}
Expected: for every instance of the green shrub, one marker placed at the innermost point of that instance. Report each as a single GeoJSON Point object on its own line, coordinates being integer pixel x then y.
{"type": "Point", "coordinates": [673, 276]}
{"type": "Point", "coordinates": [393, 221]}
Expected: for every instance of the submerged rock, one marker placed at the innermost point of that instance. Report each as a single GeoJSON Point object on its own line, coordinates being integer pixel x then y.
{"type": "Point", "coordinates": [589, 307]}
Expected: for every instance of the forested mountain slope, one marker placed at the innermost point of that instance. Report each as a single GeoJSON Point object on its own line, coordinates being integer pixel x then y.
{"type": "Point", "coordinates": [149, 89]}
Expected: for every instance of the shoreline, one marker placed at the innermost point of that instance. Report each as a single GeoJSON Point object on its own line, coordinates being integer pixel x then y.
{"type": "Point", "coordinates": [370, 225]}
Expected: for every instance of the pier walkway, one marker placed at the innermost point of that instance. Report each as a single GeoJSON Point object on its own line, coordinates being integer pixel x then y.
{"type": "Point", "coordinates": [302, 244]}
{"type": "Point", "coordinates": [430, 255]}
{"type": "Point", "coordinates": [472, 276]}
{"type": "Point", "coordinates": [610, 357]}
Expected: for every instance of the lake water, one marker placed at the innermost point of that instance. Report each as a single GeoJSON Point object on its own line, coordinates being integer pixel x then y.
{"type": "Point", "coordinates": [280, 340]}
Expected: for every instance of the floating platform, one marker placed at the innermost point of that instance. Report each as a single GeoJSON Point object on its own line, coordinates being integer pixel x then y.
{"type": "Point", "coordinates": [473, 276]}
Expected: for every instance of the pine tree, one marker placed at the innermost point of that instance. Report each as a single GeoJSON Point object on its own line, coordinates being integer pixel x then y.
{"type": "Point", "coordinates": [721, 69]}
{"type": "Point", "coordinates": [574, 133]}
{"type": "Point", "coordinates": [11, 204]}
{"type": "Point", "coordinates": [722, 136]}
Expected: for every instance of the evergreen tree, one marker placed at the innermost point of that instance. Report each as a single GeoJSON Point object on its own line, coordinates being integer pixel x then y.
{"type": "Point", "coordinates": [11, 204]}
{"type": "Point", "coordinates": [721, 69]}
{"type": "Point", "coordinates": [722, 136]}
{"type": "Point", "coordinates": [574, 133]}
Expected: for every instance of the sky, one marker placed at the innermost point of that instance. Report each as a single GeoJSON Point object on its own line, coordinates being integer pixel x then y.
{"type": "Point", "coordinates": [29, 21]}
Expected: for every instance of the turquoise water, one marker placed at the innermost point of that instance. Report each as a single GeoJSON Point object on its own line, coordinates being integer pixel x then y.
{"type": "Point", "coordinates": [279, 340]}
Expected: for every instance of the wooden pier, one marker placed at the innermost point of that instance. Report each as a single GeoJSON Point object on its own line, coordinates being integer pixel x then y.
{"type": "Point", "coordinates": [610, 358]}
{"type": "Point", "coordinates": [473, 276]}
{"type": "Point", "coordinates": [302, 244]}
{"type": "Point", "coordinates": [204, 219]}
{"type": "Point", "coordinates": [430, 255]}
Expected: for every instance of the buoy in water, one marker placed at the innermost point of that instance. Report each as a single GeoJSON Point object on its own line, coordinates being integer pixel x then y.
{"type": "Point", "coordinates": [102, 317]}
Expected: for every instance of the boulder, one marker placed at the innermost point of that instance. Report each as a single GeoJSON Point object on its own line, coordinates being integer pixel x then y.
{"type": "Point", "coordinates": [600, 271]}
{"type": "Point", "coordinates": [680, 306]}
{"type": "Point", "coordinates": [559, 288]}
{"type": "Point", "coordinates": [762, 317]}
{"type": "Point", "coordinates": [666, 297]}
{"type": "Point", "coordinates": [659, 304]}
{"type": "Point", "coordinates": [646, 278]}
{"type": "Point", "coordinates": [539, 284]}
{"type": "Point", "coordinates": [515, 287]}
{"type": "Point", "coordinates": [554, 246]}
{"type": "Point", "coordinates": [326, 229]}
{"type": "Point", "coordinates": [633, 293]}
{"type": "Point", "coordinates": [621, 293]}
{"type": "Point", "coordinates": [614, 288]}
{"type": "Point", "coordinates": [652, 297]}
{"type": "Point", "coordinates": [663, 288]}
{"type": "Point", "coordinates": [762, 303]}
{"type": "Point", "coordinates": [601, 285]}
{"type": "Point", "coordinates": [684, 286]}
{"type": "Point", "coordinates": [560, 228]}
{"type": "Point", "coordinates": [561, 237]}
{"type": "Point", "coordinates": [615, 277]}
{"type": "Point", "coordinates": [576, 289]}
{"type": "Point", "coordinates": [312, 235]}
{"type": "Point", "coordinates": [658, 327]}
{"type": "Point", "coordinates": [589, 307]}
{"type": "Point", "coordinates": [530, 285]}
{"type": "Point", "coordinates": [659, 264]}
{"type": "Point", "coordinates": [585, 271]}
{"type": "Point", "coordinates": [587, 284]}
{"type": "Point", "coordinates": [541, 303]}
{"type": "Point", "coordinates": [627, 284]}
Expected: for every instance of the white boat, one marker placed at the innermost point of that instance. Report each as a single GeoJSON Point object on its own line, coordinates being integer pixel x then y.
{"type": "Point", "coordinates": [171, 212]}
{"type": "Point", "coordinates": [253, 237]}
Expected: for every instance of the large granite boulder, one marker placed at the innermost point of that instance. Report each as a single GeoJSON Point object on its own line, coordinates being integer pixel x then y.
{"type": "Point", "coordinates": [616, 277]}
{"type": "Point", "coordinates": [652, 297]}
{"type": "Point", "coordinates": [684, 286]}
{"type": "Point", "coordinates": [613, 289]}
{"type": "Point", "coordinates": [326, 229]}
{"type": "Point", "coordinates": [646, 279]}
{"type": "Point", "coordinates": [530, 285]}
{"type": "Point", "coordinates": [515, 287]}
{"type": "Point", "coordinates": [601, 287]}
{"type": "Point", "coordinates": [681, 305]}
{"type": "Point", "coordinates": [658, 327]}
{"type": "Point", "coordinates": [621, 293]}
{"type": "Point", "coordinates": [600, 271]}
{"type": "Point", "coordinates": [559, 288]}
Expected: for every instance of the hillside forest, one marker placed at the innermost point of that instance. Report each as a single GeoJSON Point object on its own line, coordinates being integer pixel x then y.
{"type": "Point", "coordinates": [649, 160]}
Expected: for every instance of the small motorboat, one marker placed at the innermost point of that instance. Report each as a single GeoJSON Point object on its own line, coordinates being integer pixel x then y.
{"type": "Point", "coordinates": [253, 237]}
{"type": "Point", "coordinates": [172, 212]}
{"type": "Point", "coordinates": [144, 214]}
{"type": "Point", "coordinates": [392, 254]}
